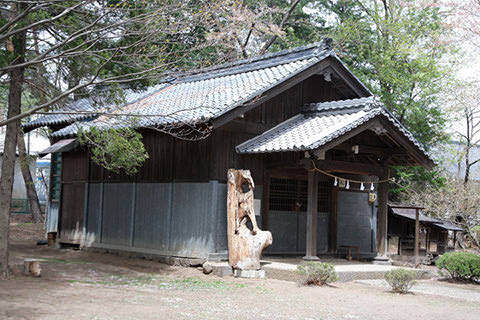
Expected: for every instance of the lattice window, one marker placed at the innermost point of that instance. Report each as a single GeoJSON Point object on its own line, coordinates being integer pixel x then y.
{"type": "Point", "coordinates": [291, 195]}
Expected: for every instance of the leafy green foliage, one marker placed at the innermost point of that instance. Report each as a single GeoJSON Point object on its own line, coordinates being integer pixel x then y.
{"type": "Point", "coordinates": [115, 149]}
{"type": "Point", "coordinates": [461, 266]}
{"type": "Point", "coordinates": [395, 47]}
{"type": "Point", "coordinates": [401, 280]}
{"type": "Point", "coordinates": [316, 273]}
{"type": "Point", "coordinates": [416, 178]}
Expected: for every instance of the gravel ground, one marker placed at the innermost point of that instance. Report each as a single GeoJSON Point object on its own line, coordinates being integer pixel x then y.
{"type": "Point", "coordinates": [467, 292]}
{"type": "Point", "coordinates": [86, 285]}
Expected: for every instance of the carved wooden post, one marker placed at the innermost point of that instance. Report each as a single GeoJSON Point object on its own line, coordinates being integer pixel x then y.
{"type": "Point", "coordinates": [245, 246]}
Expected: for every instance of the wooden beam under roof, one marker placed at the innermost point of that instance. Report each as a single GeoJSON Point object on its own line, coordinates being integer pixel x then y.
{"type": "Point", "coordinates": [346, 167]}
{"type": "Point", "coordinates": [379, 151]}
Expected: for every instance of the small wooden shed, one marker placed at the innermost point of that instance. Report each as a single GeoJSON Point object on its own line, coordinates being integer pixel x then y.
{"type": "Point", "coordinates": [435, 236]}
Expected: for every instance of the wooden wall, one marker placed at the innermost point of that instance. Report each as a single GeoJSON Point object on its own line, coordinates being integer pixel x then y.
{"type": "Point", "coordinates": [74, 176]}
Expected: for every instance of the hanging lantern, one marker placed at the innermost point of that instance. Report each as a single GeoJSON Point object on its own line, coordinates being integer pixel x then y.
{"type": "Point", "coordinates": [348, 185]}
{"type": "Point", "coordinates": [371, 187]}
{"type": "Point", "coordinates": [335, 183]}
{"type": "Point", "coordinates": [362, 187]}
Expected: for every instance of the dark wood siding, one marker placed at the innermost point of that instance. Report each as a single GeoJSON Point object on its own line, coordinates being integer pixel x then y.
{"type": "Point", "coordinates": [75, 174]}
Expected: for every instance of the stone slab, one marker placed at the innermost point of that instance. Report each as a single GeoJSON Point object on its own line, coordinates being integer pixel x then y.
{"type": "Point", "coordinates": [250, 274]}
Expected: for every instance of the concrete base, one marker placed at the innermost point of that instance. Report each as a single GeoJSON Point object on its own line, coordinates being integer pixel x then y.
{"type": "Point", "coordinates": [219, 256]}
{"type": "Point", "coordinates": [311, 258]}
{"type": "Point", "coordinates": [251, 274]}
{"type": "Point", "coordinates": [346, 271]}
{"type": "Point", "coordinates": [221, 269]}
{"type": "Point", "coordinates": [382, 260]}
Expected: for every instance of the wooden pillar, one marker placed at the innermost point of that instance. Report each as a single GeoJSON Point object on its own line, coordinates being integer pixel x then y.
{"type": "Point", "coordinates": [312, 217]}
{"type": "Point", "coordinates": [417, 235]}
{"type": "Point", "coordinates": [382, 221]}
{"type": "Point", "coordinates": [333, 222]}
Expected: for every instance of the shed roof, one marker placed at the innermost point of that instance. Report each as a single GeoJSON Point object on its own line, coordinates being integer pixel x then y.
{"type": "Point", "coordinates": [447, 225]}
{"type": "Point", "coordinates": [320, 123]}
{"type": "Point", "coordinates": [410, 213]}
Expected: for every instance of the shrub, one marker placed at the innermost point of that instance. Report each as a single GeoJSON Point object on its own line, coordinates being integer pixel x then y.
{"type": "Point", "coordinates": [316, 273]}
{"type": "Point", "coordinates": [401, 280]}
{"type": "Point", "coordinates": [463, 266]}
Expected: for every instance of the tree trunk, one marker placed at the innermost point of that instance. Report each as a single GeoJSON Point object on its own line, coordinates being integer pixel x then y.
{"type": "Point", "coordinates": [9, 151]}
{"type": "Point", "coordinates": [27, 178]}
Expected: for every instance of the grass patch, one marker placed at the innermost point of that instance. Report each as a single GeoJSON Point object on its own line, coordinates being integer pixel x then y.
{"type": "Point", "coordinates": [154, 281]}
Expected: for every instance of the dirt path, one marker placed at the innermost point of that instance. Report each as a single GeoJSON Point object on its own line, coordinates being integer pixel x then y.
{"type": "Point", "coordinates": [85, 285]}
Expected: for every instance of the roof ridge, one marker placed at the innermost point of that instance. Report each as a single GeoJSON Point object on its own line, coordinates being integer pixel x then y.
{"type": "Point", "coordinates": [324, 44]}
{"type": "Point", "coordinates": [216, 71]}
{"type": "Point", "coordinates": [340, 104]}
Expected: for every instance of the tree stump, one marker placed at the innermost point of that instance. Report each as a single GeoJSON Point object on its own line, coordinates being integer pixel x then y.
{"type": "Point", "coordinates": [245, 246]}
{"type": "Point", "coordinates": [32, 267]}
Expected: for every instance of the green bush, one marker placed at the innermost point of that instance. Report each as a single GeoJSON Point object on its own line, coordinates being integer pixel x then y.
{"type": "Point", "coordinates": [401, 280]}
{"type": "Point", "coordinates": [316, 273]}
{"type": "Point", "coordinates": [463, 266]}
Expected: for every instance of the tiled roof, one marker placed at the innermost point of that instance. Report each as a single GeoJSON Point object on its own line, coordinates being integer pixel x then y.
{"type": "Point", "coordinates": [83, 111]}
{"type": "Point", "coordinates": [82, 105]}
{"type": "Point", "coordinates": [319, 124]}
{"type": "Point", "coordinates": [202, 96]}
{"type": "Point", "coordinates": [72, 129]}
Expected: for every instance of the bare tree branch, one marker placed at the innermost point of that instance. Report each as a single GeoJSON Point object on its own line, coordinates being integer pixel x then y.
{"type": "Point", "coordinates": [282, 26]}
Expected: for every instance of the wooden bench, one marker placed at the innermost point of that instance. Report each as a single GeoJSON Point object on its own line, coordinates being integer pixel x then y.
{"type": "Point", "coordinates": [349, 251]}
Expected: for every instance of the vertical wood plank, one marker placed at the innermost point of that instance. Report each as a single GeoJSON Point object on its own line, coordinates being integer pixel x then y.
{"type": "Point", "coordinates": [266, 200]}
{"type": "Point", "coordinates": [312, 217]}
{"type": "Point", "coordinates": [333, 222]}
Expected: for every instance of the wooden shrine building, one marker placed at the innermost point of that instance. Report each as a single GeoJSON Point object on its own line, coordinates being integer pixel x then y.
{"type": "Point", "coordinates": [318, 144]}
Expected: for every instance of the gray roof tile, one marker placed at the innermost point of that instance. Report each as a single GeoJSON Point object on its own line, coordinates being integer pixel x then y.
{"type": "Point", "coordinates": [319, 124]}
{"type": "Point", "coordinates": [81, 106]}
{"type": "Point", "coordinates": [208, 94]}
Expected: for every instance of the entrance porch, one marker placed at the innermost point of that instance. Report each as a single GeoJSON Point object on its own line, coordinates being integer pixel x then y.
{"type": "Point", "coordinates": [326, 173]}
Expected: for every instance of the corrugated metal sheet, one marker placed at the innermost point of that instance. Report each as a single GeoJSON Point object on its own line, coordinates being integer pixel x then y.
{"type": "Point", "coordinates": [319, 124]}
{"type": "Point", "coordinates": [156, 217]}
{"type": "Point", "coordinates": [153, 214]}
